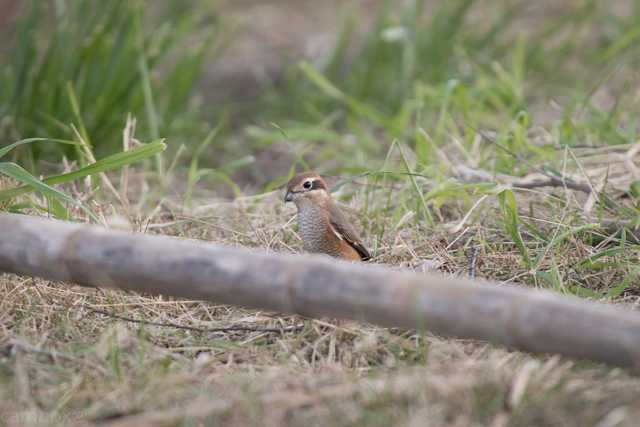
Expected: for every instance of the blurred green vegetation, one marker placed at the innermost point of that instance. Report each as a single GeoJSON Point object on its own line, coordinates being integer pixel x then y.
{"type": "Point", "coordinates": [462, 67]}
{"type": "Point", "coordinates": [114, 57]}
{"type": "Point", "coordinates": [418, 76]}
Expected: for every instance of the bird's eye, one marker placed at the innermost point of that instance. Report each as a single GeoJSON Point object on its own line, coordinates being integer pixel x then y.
{"type": "Point", "coordinates": [307, 185]}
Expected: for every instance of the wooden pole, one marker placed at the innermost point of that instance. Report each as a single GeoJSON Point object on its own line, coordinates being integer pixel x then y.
{"type": "Point", "coordinates": [316, 286]}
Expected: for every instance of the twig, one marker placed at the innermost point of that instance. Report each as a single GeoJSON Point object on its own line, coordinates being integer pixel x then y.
{"type": "Point", "coordinates": [127, 142]}
{"type": "Point", "coordinates": [553, 182]}
{"type": "Point", "coordinates": [473, 260]}
{"type": "Point", "coordinates": [195, 328]}
{"type": "Point", "coordinates": [480, 176]}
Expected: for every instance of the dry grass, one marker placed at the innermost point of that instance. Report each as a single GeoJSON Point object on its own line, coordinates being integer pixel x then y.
{"type": "Point", "coordinates": [67, 359]}
{"type": "Point", "coordinates": [63, 362]}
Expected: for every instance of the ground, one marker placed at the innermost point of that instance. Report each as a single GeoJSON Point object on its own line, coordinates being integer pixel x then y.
{"type": "Point", "coordinates": [78, 355]}
{"type": "Point", "coordinates": [501, 145]}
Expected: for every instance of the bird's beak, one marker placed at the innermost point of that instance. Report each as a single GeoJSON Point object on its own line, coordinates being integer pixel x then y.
{"type": "Point", "coordinates": [288, 197]}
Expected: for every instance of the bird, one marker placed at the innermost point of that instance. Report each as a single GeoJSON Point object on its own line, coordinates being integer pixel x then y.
{"type": "Point", "coordinates": [323, 226]}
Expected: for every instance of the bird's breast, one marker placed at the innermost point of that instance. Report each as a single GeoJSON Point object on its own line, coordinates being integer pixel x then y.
{"type": "Point", "coordinates": [318, 235]}
{"type": "Point", "coordinates": [313, 228]}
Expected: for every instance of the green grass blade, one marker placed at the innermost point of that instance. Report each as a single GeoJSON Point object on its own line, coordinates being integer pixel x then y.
{"type": "Point", "coordinates": [511, 223]}
{"type": "Point", "coordinates": [334, 92]}
{"type": "Point", "coordinates": [5, 150]}
{"type": "Point", "coordinates": [416, 187]}
{"type": "Point", "coordinates": [16, 172]}
{"type": "Point", "coordinates": [193, 176]}
{"type": "Point", "coordinates": [561, 237]}
{"type": "Point", "coordinates": [75, 107]}
{"type": "Point", "coordinates": [109, 163]}
{"type": "Point", "coordinates": [590, 260]}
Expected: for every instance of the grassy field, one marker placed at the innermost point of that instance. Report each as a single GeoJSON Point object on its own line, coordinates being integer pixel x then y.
{"type": "Point", "coordinates": [493, 139]}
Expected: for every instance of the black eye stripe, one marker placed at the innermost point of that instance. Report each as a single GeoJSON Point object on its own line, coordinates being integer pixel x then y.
{"type": "Point", "coordinates": [315, 185]}
{"type": "Point", "coordinates": [318, 184]}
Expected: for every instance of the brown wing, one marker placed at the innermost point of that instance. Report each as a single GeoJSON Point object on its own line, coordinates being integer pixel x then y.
{"type": "Point", "coordinates": [347, 232]}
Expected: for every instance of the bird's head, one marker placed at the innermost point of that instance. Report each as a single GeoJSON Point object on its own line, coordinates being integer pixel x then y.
{"type": "Point", "coordinates": [307, 186]}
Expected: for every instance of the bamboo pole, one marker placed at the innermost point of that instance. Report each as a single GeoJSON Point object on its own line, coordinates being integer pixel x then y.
{"type": "Point", "coordinates": [315, 286]}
